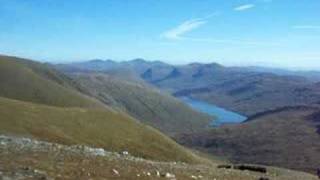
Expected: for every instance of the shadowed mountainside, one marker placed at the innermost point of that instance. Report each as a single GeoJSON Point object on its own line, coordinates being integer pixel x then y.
{"type": "Point", "coordinates": [237, 89]}
{"type": "Point", "coordinates": [143, 102]}
{"type": "Point", "coordinates": [244, 92]}
{"type": "Point", "coordinates": [288, 137]}
{"type": "Point", "coordinates": [140, 100]}
{"type": "Point", "coordinates": [311, 75]}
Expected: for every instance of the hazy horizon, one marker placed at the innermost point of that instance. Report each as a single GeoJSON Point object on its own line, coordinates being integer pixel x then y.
{"type": "Point", "coordinates": [271, 66]}
{"type": "Point", "coordinates": [171, 62]}
{"type": "Point", "coordinates": [269, 33]}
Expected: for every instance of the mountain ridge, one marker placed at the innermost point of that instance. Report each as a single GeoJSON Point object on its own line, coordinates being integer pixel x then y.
{"type": "Point", "coordinates": [237, 89]}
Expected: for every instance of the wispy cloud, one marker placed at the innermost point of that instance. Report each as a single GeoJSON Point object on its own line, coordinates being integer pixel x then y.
{"type": "Point", "coordinates": [177, 33]}
{"type": "Point", "coordinates": [306, 27]}
{"type": "Point", "coordinates": [244, 7]}
{"type": "Point", "coordinates": [187, 26]}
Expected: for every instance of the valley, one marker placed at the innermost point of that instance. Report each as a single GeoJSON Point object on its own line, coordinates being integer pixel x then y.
{"type": "Point", "coordinates": [142, 101]}
{"type": "Point", "coordinates": [235, 91]}
{"type": "Point", "coordinates": [159, 90]}
{"type": "Point", "coordinates": [118, 107]}
{"type": "Point", "coordinates": [247, 92]}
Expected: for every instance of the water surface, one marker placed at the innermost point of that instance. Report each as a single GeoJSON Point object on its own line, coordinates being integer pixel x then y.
{"type": "Point", "coordinates": [220, 115]}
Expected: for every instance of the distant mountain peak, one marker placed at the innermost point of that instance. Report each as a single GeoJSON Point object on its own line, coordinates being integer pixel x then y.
{"type": "Point", "coordinates": [195, 64]}
{"type": "Point", "coordinates": [109, 60]}
{"type": "Point", "coordinates": [147, 74]}
{"type": "Point", "coordinates": [174, 73]}
{"type": "Point", "coordinates": [96, 61]}
{"type": "Point", "coordinates": [214, 65]}
{"type": "Point", "coordinates": [138, 60]}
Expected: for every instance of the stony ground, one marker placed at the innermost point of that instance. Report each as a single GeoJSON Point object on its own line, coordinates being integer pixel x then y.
{"type": "Point", "coordinates": [23, 158]}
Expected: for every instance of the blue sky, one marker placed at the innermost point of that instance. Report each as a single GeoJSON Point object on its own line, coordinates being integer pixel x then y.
{"type": "Point", "coordinates": [283, 33]}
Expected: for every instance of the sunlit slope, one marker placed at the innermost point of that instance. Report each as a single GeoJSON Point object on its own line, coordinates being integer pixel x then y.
{"type": "Point", "coordinates": [111, 130]}
{"type": "Point", "coordinates": [143, 102]}
{"type": "Point", "coordinates": [30, 81]}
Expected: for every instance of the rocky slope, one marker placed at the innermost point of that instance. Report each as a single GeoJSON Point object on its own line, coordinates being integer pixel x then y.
{"type": "Point", "coordinates": [23, 158]}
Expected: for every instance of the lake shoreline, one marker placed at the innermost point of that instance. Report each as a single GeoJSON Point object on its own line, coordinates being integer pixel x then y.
{"type": "Point", "coordinates": [221, 116]}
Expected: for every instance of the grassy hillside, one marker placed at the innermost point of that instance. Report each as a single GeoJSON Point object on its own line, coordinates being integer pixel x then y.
{"type": "Point", "coordinates": [27, 80]}
{"type": "Point", "coordinates": [143, 102]}
{"type": "Point", "coordinates": [287, 137]}
{"type": "Point", "coordinates": [113, 131]}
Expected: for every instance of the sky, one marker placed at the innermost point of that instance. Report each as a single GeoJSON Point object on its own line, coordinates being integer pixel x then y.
{"type": "Point", "coordinates": [275, 33]}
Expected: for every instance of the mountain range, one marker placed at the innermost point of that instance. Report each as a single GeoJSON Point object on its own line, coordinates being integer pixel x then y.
{"type": "Point", "coordinates": [239, 89]}
{"type": "Point", "coordinates": [278, 106]}
{"type": "Point", "coordinates": [53, 116]}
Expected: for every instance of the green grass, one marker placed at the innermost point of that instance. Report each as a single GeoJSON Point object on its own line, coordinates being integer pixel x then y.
{"type": "Point", "coordinates": [111, 130]}
{"type": "Point", "coordinates": [143, 102]}
{"type": "Point", "coordinates": [30, 81]}
{"type": "Point", "coordinates": [49, 107]}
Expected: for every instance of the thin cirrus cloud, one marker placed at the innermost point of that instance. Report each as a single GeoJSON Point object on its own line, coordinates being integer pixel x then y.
{"type": "Point", "coordinates": [177, 33]}
{"type": "Point", "coordinates": [187, 26]}
{"type": "Point", "coordinates": [244, 7]}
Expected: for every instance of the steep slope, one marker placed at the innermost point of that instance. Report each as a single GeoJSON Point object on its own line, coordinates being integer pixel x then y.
{"type": "Point", "coordinates": [287, 137]}
{"type": "Point", "coordinates": [38, 101]}
{"type": "Point", "coordinates": [143, 102]}
{"type": "Point", "coordinates": [27, 80]}
{"type": "Point", "coordinates": [244, 92]}
{"type": "Point", "coordinates": [110, 130]}
{"type": "Point", "coordinates": [251, 94]}
{"type": "Point", "coordinates": [237, 89]}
